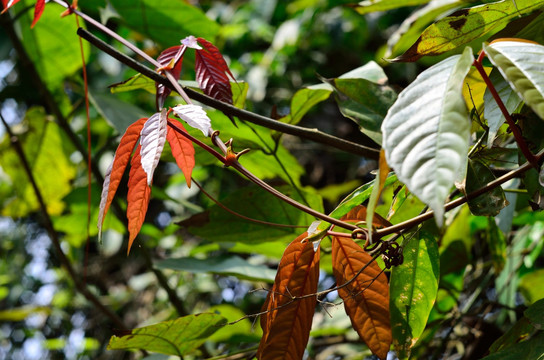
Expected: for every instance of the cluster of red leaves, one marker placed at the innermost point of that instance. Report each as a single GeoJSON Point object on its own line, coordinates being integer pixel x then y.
{"type": "Point", "coordinates": [290, 304]}
{"type": "Point", "coordinates": [38, 8]}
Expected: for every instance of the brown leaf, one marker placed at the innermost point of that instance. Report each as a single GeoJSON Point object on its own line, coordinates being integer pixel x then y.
{"type": "Point", "coordinates": [287, 323]}
{"type": "Point", "coordinates": [365, 294]}
{"type": "Point", "coordinates": [137, 197]}
{"type": "Point", "coordinates": [182, 150]}
{"type": "Point", "coordinates": [358, 213]}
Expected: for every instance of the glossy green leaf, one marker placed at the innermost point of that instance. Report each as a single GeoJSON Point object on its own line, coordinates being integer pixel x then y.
{"type": "Point", "coordinates": [531, 349]}
{"type": "Point", "coordinates": [222, 265]}
{"type": "Point", "coordinates": [413, 26]}
{"type": "Point", "coordinates": [52, 44]}
{"type": "Point", "coordinates": [42, 141]}
{"type": "Point", "coordinates": [258, 204]}
{"type": "Point", "coordinates": [466, 25]}
{"type": "Point", "coordinates": [521, 65]}
{"type": "Point", "coordinates": [414, 287]}
{"type": "Point", "coordinates": [490, 203]}
{"type": "Point", "coordinates": [304, 100]}
{"type": "Point", "coordinates": [166, 21]}
{"type": "Point", "coordinates": [368, 6]}
{"type": "Point", "coordinates": [176, 337]}
{"type": "Point", "coordinates": [492, 112]}
{"type": "Point", "coordinates": [426, 132]}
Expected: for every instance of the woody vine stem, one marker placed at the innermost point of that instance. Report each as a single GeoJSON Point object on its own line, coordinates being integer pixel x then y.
{"type": "Point", "coordinates": [187, 94]}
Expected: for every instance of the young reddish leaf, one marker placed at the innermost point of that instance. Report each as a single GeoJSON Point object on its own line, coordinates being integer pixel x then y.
{"type": "Point", "coordinates": [195, 116]}
{"type": "Point", "coordinates": [171, 60]}
{"type": "Point", "coordinates": [38, 11]}
{"type": "Point", "coordinates": [7, 4]}
{"type": "Point", "coordinates": [137, 198]}
{"type": "Point", "coordinates": [287, 323]}
{"type": "Point", "coordinates": [212, 72]}
{"type": "Point", "coordinates": [117, 168]}
{"type": "Point", "coordinates": [183, 151]}
{"type": "Point", "coordinates": [365, 294]}
{"type": "Point", "coordinates": [152, 139]}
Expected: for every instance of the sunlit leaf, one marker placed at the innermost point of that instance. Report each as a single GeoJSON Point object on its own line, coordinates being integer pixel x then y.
{"type": "Point", "coordinates": [287, 323]}
{"type": "Point", "coordinates": [363, 287]}
{"type": "Point", "coordinates": [165, 21]}
{"type": "Point", "coordinates": [212, 72]}
{"type": "Point", "coordinates": [304, 100]}
{"type": "Point", "coordinates": [222, 265]}
{"type": "Point", "coordinates": [368, 6]}
{"type": "Point", "coordinates": [175, 337]}
{"type": "Point", "coordinates": [521, 64]}
{"type": "Point", "coordinates": [137, 197]}
{"type": "Point", "coordinates": [135, 82]}
{"type": "Point", "coordinates": [21, 313]}
{"type": "Point", "coordinates": [426, 132]}
{"type": "Point", "coordinates": [414, 287]}
{"type": "Point", "coordinates": [170, 60]}
{"type": "Point", "coordinates": [489, 203]}
{"type": "Point", "coordinates": [377, 189]}
{"type": "Point", "coordinates": [195, 116]}
{"type": "Point", "coordinates": [475, 88]}
{"type": "Point", "coordinates": [492, 112]}
{"type": "Point", "coordinates": [115, 172]}
{"type": "Point", "coordinates": [182, 150]}
{"type": "Point", "coordinates": [152, 139]}
{"type": "Point", "coordinates": [465, 25]}
{"type": "Point", "coordinates": [530, 287]}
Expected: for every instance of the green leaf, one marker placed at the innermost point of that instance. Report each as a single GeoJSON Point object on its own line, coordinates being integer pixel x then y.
{"type": "Point", "coordinates": [531, 287]}
{"type": "Point", "coordinates": [42, 142]}
{"type": "Point", "coordinates": [166, 21]}
{"type": "Point", "coordinates": [426, 132]}
{"type": "Point", "coordinates": [489, 203]}
{"type": "Point", "coordinates": [521, 330]}
{"type": "Point", "coordinates": [258, 204]}
{"type": "Point", "coordinates": [497, 245]}
{"type": "Point", "coordinates": [466, 25]}
{"type": "Point", "coordinates": [176, 337]}
{"type": "Point", "coordinates": [414, 287]}
{"type": "Point", "coordinates": [21, 313]}
{"type": "Point", "coordinates": [492, 112]}
{"type": "Point", "coordinates": [136, 82]}
{"type": "Point", "coordinates": [535, 313]}
{"type": "Point", "coordinates": [239, 330]}
{"type": "Point", "coordinates": [118, 113]}
{"type": "Point", "coordinates": [531, 349]}
{"type": "Point", "coordinates": [413, 26]}
{"type": "Point", "coordinates": [304, 100]}
{"type": "Point", "coordinates": [521, 65]}
{"type": "Point", "coordinates": [52, 45]}
{"type": "Point", "coordinates": [222, 265]}
{"type": "Point", "coordinates": [365, 7]}
{"type": "Point", "coordinates": [239, 93]}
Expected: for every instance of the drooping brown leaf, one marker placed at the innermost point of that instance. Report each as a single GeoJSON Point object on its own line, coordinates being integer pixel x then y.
{"type": "Point", "coordinates": [287, 323]}
{"type": "Point", "coordinates": [212, 72]}
{"type": "Point", "coordinates": [365, 292]}
{"type": "Point", "coordinates": [137, 198]}
{"type": "Point", "coordinates": [182, 150]}
{"type": "Point", "coordinates": [117, 167]}
{"type": "Point", "coordinates": [359, 213]}
{"type": "Point", "coordinates": [170, 60]}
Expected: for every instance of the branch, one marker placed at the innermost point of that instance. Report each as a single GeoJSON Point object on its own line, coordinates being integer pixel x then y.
{"type": "Point", "coordinates": [309, 134]}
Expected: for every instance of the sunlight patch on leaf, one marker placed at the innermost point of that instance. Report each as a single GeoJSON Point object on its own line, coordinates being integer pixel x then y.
{"type": "Point", "coordinates": [152, 139]}
{"type": "Point", "coordinates": [195, 116]}
{"type": "Point", "coordinates": [426, 132]}
{"type": "Point", "coordinates": [521, 65]}
{"type": "Point", "coordinates": [367, 6]}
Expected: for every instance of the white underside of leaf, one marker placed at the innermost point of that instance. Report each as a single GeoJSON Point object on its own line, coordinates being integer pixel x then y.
{"type": "Point", "coordinates": [426, 132]}
{"type": "Point", "coordinates": [103, 199]}
{"type": "Point", "coordinates": [152, 139]}
{"type": "Point", "coordinates": [522, 65]}
{"type": "Point", "coordinates": [195, 116]}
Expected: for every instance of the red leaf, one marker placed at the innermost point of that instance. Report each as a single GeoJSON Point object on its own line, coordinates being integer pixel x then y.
{"type": "Point", "coordinates": [137, 198]}
{"type": "Point", "coordinates": [7, 4]}
{"type": "Point", "coordinates": [38, 11]}
{"type": "Point", "coordinates": [171, 60]}
{"type": "Point", "coordinates": [182, 150]}
{"type": "Point", "coordinates": [287, 323]}
{"type": "Point", "coordinates": [117, 168]}
{"type": "Point", "coordinates": [365, 293]}
{"type": "Point", "coordinates": [212, 72]}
